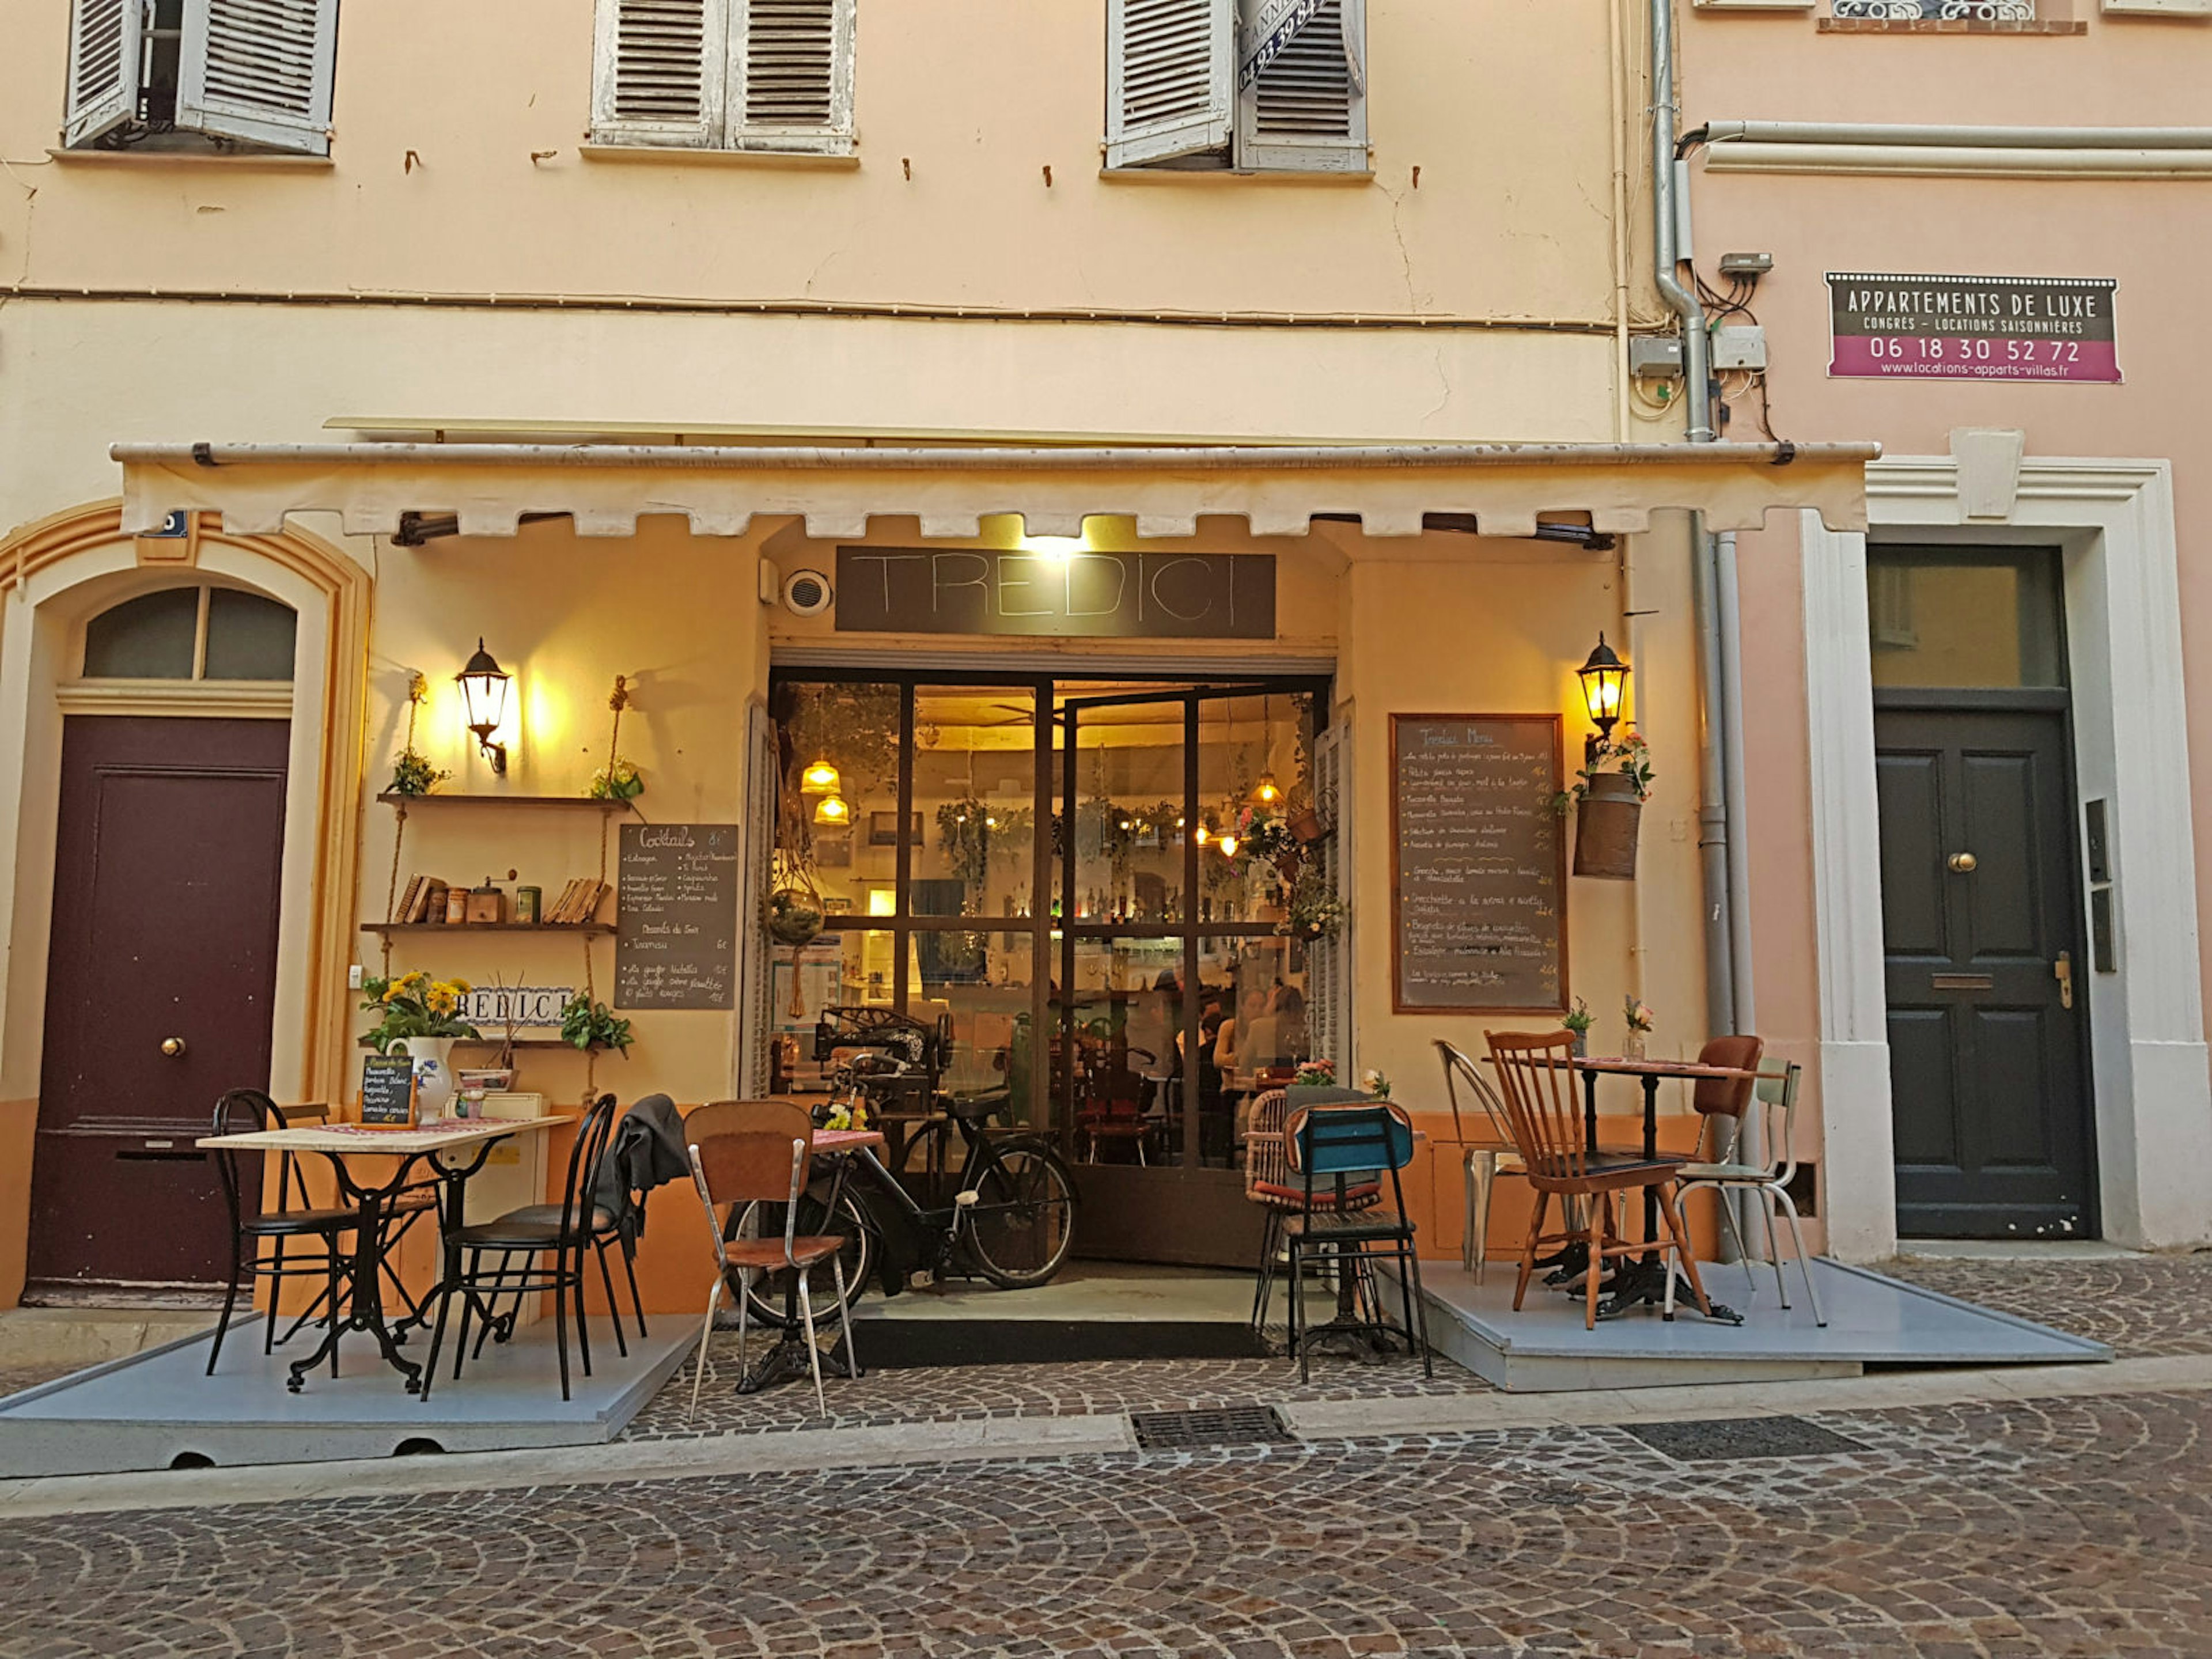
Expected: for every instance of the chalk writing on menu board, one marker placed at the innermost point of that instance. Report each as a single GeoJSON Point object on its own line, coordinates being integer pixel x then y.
{"type": "Point", "coordinates": [1478, 885]}
{"type": "Point", "coordinates": [387, 1090]}
{"type": "Point", "coordinates": [676, 916]}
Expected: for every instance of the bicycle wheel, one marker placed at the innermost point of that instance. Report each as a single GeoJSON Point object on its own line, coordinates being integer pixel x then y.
{"type": "Point", "coordinates": [1024, 1222]}
{"type": "Point", "coordinates": [764, 1296]}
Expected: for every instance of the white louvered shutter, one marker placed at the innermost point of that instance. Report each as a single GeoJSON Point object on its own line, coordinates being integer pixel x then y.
{"type": "Point", "coordinates": [1169, 78]}
{"type": "Point", "coordinates": [259, 71]}
{"type": "Point", "coordinates": [791, 75]}
{"type": "Point", "coordinates": [106, 38]}
{"type": "Point", "coordinates": [658, 69]}
{"type": "Point", "coordinates": [1305, 110]}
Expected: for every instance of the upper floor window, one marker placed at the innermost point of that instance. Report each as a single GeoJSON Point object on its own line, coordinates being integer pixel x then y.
{"type": "Point", "coordinates": [766, 74]}
{"type": "Point", "coordinates": [1251, 85]}
{"type": "Point", "coordinates": [207, 74]}
{"type": "Point", "coordinates": [191, 634]}
{"type": "Point", "coordinates": [1936, 11]}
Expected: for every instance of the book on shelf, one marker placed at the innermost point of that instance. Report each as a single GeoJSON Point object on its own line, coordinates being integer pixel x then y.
{"type": "Point", "coordinates": [405, 907]}
{"type": "Point", "coordinates": [430, 904]}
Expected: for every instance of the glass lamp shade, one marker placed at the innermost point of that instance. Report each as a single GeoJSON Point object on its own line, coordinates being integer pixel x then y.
{"type": "Point", "coordinates": [833, 810]}
{"type": "Point", "coordinates": [1267, 792]}
{"type": "Point", "coordinates": [1228, 844]}
{"type": "Point", "coordinates": [819, 779]}
{"type": "Point", "coordinates": [1605, 686]}
{"type": "Point", "coordinates": [483, 692]}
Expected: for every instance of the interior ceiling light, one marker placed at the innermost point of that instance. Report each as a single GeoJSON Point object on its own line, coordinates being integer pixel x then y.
{"type": "Point", "coordinates": [819, 779]}
{"type": "Point", "coordinates": [833, 810]}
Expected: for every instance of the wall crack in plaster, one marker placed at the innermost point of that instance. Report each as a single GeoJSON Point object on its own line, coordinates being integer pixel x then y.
{"type": "Point", "coordinates": [1404, 255]}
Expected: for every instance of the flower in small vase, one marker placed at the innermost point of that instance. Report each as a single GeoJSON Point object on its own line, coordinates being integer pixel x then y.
{"type": "Point", "coordinates": [1638, 1015]}
{"type": "Point", "coordinates": [1374, 1083]}
{"type": "Point", "coordinates": [1315, 1074]}
{"type": "Point", "coordinates": [1578, 1018]}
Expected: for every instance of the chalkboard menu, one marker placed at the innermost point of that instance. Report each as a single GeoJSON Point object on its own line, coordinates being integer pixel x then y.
{"type": "Point", "coordinates": [387, 1090]}
{"type": "Point", "coordinates": [1478, 878]}
{"type": "Point", "coordinates": [675, 920]}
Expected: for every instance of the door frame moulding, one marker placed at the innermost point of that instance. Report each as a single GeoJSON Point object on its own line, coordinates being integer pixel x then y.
{"type": "Point", "coordinates": [52, 574]}
{"type": "Point", "coordinates": [2152, 1088]}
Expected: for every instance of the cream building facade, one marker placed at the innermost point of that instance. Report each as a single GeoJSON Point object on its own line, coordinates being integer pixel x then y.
{"type": "Point", "coordinates": [580, 329]}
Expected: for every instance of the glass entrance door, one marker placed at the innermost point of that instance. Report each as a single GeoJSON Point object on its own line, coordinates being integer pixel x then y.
{"type": "Point", "coordinates": [1085, 878]}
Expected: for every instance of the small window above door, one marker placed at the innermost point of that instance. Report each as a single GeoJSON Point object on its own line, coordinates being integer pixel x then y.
{"type": "Point", "coordinates": [191, 634]}
{"type": "Point", "coordinates": [1957, 618]}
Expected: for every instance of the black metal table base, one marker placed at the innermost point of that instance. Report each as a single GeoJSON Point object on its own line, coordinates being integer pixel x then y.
{"type": "Point", "coordinates": [1644, 1284]}
{"type": "Point", "coordinates": [787, 1361]}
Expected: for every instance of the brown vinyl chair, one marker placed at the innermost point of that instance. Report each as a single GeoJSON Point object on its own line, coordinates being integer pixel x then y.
{"type": "Point", "coordinates": [760, 1150]}
{"type": "Point", "coordinates": [1537, 1083]}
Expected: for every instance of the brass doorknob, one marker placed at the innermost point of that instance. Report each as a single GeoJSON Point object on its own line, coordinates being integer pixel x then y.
{"type": "Point", "coordinates": [172, 1047]}
{"type": "Point", "coordinates": [1963, 863]}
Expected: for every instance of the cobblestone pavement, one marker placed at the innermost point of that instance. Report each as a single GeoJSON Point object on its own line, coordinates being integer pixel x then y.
{"type": "Point", "coordinates": [965, 1393]}
{"type": "Point", "coordinates": [2063, 1528]}
{"type": "Point", "coordinates": [2144, 1304]}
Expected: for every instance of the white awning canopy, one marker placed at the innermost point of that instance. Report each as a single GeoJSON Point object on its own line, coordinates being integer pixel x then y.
{"type": "Point", "coordinates": [489, 488]}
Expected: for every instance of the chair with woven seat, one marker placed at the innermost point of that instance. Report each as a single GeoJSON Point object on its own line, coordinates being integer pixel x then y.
{"type": "Point", "coordinates": [532, 1233]}
{"type": "Point", "coordinates": [1340, 1145]}
{"type": "Point", "coordinates": [747, 1152]}
{"type": "Point", "coordinates": [245, 1111]}
{"type": "Point", "coordinates": [1270, 1182]}
{"type": "Point", "coordinates": [1536, 1077]}
{"type": "Point", "coordinates": [1771, 1179]}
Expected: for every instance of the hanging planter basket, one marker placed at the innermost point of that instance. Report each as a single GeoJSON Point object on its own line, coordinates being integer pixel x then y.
{"type": "Point", "coordinates": [1605, 828]}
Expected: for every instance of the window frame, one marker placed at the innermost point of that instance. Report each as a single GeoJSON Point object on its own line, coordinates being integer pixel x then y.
{"type": "Point", "coordinates": [202, 615]}
{"type": "Point", "coordinates": [721, 128]}
{"type": "Point", "coordinates": [228, 124]}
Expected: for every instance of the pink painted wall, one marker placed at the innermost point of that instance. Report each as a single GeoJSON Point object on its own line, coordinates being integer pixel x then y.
{"type": "Point", "coordinates": [2154, 236]}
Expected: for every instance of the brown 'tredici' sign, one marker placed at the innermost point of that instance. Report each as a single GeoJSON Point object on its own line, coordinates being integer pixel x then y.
{"type": "Point", "coordinates": [1078, 594]}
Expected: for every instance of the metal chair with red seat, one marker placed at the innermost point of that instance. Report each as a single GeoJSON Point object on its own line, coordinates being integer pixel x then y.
{"type": "Point", "coordinates": [746, 1151]}
{"type": "Point", "coordinates": [1271, 1184]}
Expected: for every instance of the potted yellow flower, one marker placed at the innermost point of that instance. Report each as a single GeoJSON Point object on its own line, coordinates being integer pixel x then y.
{"type": "Point", "coordinates": [422, 1015]}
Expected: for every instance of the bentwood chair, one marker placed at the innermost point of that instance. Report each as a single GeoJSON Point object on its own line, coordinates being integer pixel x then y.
{"type": "Point", "coordinates": [1537, 1079]}
{"type": "Point", "coordinates": [551, 1247]}
{"type": "Point", "coordinates": [1770, 1180]}
{"type": "Point", "coordinates": [245, 1111]}
{"type": "Point", "coordinates": [1335, 1145]}
{"type": "Point", "coordinates": [1270, 1182]}
{"type": "Point", "coordinates": [746, 1151]}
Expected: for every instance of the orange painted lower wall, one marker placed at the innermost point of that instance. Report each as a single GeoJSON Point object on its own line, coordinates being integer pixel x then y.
{"type": "Point", "coordinates": [18, 1121]}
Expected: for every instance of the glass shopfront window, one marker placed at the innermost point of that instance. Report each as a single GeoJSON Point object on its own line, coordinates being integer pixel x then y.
{"type": "Point", "coordinates": [1085, 878]}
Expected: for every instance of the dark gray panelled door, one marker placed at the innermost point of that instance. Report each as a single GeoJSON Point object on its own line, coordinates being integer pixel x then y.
{"type": "Point", "coordinates": [1987, 1074]}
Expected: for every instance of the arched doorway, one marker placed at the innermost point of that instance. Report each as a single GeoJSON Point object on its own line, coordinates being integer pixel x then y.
{"type": "Point", "coordinates": [188, 721]}
{"type": "Point", "coordinates": [161, 959]}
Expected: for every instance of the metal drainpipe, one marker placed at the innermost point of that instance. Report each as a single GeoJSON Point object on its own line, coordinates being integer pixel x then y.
{"type": "Point", "coordinates": [1712, 800]}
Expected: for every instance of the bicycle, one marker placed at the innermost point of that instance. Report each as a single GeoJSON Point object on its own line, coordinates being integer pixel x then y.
{"type": "Point", "coordinates": [1012, 1207]}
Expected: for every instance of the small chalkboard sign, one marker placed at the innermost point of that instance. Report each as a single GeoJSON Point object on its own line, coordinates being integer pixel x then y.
{"type": "Point", "coordinates": [675, 923]}
{"type": "Point", "coordinates": [387, 1091]}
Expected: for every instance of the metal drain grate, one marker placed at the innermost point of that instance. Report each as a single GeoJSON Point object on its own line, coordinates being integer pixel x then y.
{"type": "Point", "coordinates": [1227, 1426]}
{"type": "Point", "coordinates": [1726, 1438]}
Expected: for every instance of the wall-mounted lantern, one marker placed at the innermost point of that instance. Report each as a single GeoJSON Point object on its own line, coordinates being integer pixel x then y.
{"type": "Point", "coordinates": [483, 692]}
{"type": "Point", "coordinates": [1605, 689]}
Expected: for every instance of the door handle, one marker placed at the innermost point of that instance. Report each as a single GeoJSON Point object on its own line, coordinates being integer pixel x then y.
{"type": "Point", "coordinates": [1962, 863]}
{"type": "Point", "coordinates": [2062, 971]}
{"type": "Point", "coordinates": [172, 1047]}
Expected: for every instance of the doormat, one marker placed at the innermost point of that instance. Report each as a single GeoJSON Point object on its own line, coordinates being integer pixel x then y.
{"type": "Point", "coordinates": [897, 1345]}
{"type": "Point", "coordinates": [1725, 1439]}
{"type": "Point", "coordinates": [1224, 1426]}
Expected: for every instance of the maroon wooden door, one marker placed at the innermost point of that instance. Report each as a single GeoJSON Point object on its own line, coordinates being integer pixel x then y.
{"type": "Point", "coordinates": [167, 872]}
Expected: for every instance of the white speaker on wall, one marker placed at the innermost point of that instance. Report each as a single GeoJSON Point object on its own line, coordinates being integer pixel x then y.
{"type": "Point", "coordinates": [807, 593]}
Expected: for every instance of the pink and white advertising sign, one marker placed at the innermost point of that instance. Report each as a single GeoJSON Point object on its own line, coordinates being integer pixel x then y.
{"type": "Point", "coordinates": [1971, 328]}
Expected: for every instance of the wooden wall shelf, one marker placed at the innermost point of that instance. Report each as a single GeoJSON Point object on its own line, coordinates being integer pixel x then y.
{"type": "Point", "coordinates": [588, 929]}
{"type": "Point", "coordinates": [585, 801]}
